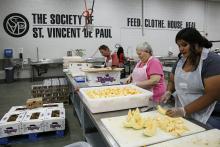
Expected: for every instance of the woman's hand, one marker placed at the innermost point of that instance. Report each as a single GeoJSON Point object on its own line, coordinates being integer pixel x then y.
{"type": "Point", "coordinates": [128, 80]}
{"type": "Point", "coordinates": [176, 112]}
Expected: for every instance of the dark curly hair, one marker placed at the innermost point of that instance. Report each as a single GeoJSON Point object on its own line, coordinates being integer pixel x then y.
{"type": "Point", "coordinates": [120, 50]}
{"type": "Point", "coordinates": [103, 47]}
{"type": "Point", "coordinates": [193, 37]}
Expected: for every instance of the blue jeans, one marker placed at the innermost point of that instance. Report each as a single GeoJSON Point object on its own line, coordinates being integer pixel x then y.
{"type": "Point", "coordinates": [213, 122]}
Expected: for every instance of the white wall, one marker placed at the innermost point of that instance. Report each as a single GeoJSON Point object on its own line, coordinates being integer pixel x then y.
{"type": "Point", "coordinates": [213, 22]}
{"type": "Point", "coordinates": [111, 14]}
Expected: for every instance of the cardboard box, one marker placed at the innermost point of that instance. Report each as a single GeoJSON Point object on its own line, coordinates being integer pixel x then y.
{"type": "Point", "coordinates": [76, 68]}
{"type": "Point", "coordinates": [34, 103]}
{"type": "Point", "coordinates": [24, 108]}
{"type": "Point", "coordinates": [33, 121]}
{"type": "Point", "coordinates": [54, 119]}
{"type": "Point", "coordinates": [52, 105]}
{"type": "Point", "coordinates": [18, 109]}
{"type": "Point", "coordinates": [36, 87]}
{"type": "Point", "coordinates": [10, 124]}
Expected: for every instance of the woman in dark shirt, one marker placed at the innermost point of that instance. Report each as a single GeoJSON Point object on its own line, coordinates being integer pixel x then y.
{"type": "Point", "coordinates": [121, 57]}
{"type": "Point", "coordinates": [195, 80]}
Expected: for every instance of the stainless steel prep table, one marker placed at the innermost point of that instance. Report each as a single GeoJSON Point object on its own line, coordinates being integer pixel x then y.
{"type": "Point", "coordinates": [43, 64]}
{"type": "Point", "coordinates": [93, 129]}
{"type": "Point", "coordinates": [91, 124]}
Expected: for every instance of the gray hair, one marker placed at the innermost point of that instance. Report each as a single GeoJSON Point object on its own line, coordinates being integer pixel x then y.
{"type": "Point", "coordinates": [145, 47]}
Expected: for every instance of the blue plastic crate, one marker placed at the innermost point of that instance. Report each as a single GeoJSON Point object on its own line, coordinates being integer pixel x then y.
{"type": "Point", "coordinates": [4, 140]}
{"type": "Point", "coordinates": [60, 133]}
{"type": "Point", "coordinates": [33, 136]}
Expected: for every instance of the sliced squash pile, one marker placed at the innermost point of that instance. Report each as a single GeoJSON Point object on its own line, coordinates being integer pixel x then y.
{"type": "Point", "coordinates": [174, 126]}
{"type": "Point", "coordinates": [161, 110]}
{"type": "Point", "coordinates": [150, 127]}
{"type": "Point", "coordinates": [111, 92]}
{"type": "Point", "coordinates": [134, 120]}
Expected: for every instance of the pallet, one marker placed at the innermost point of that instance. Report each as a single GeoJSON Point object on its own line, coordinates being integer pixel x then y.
{"type": "Point", "coordinates": [31, 137]}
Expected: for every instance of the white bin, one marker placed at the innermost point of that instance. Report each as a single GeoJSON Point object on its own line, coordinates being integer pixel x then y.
{"type": "Point", "coordinates": [79, 144]}
{"type": "Point", "coordinates": [103, 76]}
{"type": "Point", "coordinates": [118, 102]}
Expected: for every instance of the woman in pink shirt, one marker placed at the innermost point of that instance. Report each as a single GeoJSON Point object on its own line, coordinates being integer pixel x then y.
{"type": "Point", "coordinates": [148, 72]}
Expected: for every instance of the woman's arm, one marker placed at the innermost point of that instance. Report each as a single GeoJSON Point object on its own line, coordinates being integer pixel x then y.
{"type": "Point", "coordinates": [148, 84]}
{"type": "Point", "coordinates": [211, 94]}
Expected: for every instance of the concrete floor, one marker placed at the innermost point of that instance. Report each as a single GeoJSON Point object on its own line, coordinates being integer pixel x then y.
{"type": "Point", "coordinates": [15, 94]}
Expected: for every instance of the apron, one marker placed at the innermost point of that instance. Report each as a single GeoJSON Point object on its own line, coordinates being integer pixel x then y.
{"type": "Point", "coordinates": [189, 87]}
{"type": "Point", "coordinates": [139, 73]}
{"type": "Point", "coordinates": [108, 63]}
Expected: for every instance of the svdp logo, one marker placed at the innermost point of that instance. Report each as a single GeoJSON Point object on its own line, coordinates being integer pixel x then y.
{"type": "Point", "coordinates": [16, 25]}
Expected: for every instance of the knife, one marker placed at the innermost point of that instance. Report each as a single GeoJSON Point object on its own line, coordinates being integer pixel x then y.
{"type": "Point", "coordinates": [145, 109]}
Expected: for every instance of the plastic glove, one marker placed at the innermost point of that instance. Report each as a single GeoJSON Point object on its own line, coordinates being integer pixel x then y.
{"type": "Point", "coordinates": [165, 97]}
{"type": "Point", "coordinates": [176, 112]}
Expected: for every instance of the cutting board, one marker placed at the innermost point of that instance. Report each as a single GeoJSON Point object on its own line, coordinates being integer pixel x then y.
{"type": "Point", "coordinates": [210, 138]}
{"type": "Point", "coordinates": [128, 137]}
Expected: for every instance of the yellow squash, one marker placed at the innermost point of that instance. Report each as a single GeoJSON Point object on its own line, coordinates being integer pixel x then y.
{"type": "Point", "coordinates": [161, 110]}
